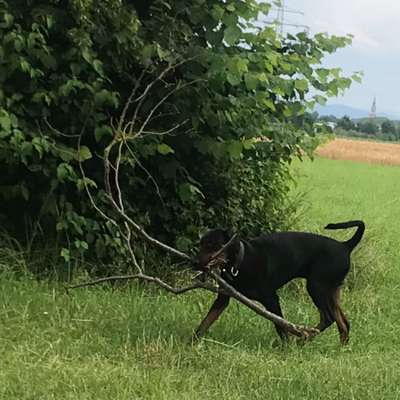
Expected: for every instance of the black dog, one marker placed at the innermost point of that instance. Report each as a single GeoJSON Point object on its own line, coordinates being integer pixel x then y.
{"type": "Point", "coordinates": [260, 266]}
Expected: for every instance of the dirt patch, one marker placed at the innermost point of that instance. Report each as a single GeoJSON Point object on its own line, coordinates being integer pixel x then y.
{"type": "Point", "coordinates": [361, 150]}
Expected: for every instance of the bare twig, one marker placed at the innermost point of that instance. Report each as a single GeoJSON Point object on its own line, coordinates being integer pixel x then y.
{"type": "Point", "coordinates": [58, 132]}
{"type": "Point", "coordinates": [158, 281]}
{"type": "Point", "coordinates": [167, 132]}
{"type": "Point", "coordinates": [143, 96]}
{"type": "Point", "coordinates": [145, 170]}
{"type": "Point", "coordinates": [130, 100]}
{"type": "Point", "coordinates": [116, 177]}
{"type": "Point", "coordinates": [169, 94]}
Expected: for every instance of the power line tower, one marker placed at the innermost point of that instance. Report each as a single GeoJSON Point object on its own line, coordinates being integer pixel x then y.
{"type": "Point", "coordinates": [372, 113]}
{"type": "Point", "coordinates": [281, 20]}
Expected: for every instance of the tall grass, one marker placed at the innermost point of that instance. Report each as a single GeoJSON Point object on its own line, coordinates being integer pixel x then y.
{"type": "Point", "coordinates": [131, 343]}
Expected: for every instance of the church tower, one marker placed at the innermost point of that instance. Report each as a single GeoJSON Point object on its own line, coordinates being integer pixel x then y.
{"type": "Point", "coordinates": [372, 113]}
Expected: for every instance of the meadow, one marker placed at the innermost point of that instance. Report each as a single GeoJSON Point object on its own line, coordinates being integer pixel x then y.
{"type": "Point", "coordinates": [134, 343]}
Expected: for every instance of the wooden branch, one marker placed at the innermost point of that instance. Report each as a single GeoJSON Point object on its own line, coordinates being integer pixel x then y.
{"type": "Point", "coordinates": [140, 99]}
{"type": "Point", "coordinates": [165, 98]}
{"type": "Point", "coordinates": [167, 132]}
{"type": "Point", "coordinates": [130, 100]}
{"type": "Point", "coordinates": [300, 331]}
{"type": "Point", "coordinates": [148, 278]}
{"type": "Point", "coordinates": [128, 147]}
{"type": "Point", "coordinates": [138, 229]}
{"type": "Point", "coordinates": [224, 288]}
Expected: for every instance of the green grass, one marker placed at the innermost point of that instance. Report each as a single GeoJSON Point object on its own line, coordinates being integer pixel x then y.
{"type": "Point", "coordinates": [133, 344]}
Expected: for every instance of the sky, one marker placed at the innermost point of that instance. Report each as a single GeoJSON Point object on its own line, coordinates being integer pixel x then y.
{"type": "Point", "coordinates": [375, 49]}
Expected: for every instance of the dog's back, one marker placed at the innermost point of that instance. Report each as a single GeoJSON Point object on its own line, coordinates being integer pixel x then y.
{"type": "Point", "coordinates": [288, 255]}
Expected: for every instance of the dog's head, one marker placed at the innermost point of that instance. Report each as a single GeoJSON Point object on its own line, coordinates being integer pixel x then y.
{"type": "Point", "coordinates": [210, 244]}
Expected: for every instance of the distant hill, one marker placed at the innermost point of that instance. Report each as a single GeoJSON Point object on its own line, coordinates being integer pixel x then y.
{"type": "Point", "coordinates": [340, 110]}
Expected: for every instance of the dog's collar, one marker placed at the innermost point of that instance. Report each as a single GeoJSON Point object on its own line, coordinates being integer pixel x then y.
{"type": "Point", "coordinates": [235, 268]}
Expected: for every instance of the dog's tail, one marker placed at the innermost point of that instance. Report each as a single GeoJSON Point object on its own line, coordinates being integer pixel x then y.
{"type": "Point", "coordinates": [355, 239]}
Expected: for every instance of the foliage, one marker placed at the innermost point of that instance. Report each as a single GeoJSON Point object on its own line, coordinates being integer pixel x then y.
{"type": "Point", "coordinates": [369, 127]}
{"type": "Point", "coordinates": [238, 93]}
{"type": "Point", "coordinates": [346, 123]}
{"type": "Point", "coordinates": [388, 127]}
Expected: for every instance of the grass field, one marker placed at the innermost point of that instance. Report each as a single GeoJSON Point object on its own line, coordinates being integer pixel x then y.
{"type": "Point", "coordinates": [362, 150]}
{"type": "Point", "coordinates": [134, 344]}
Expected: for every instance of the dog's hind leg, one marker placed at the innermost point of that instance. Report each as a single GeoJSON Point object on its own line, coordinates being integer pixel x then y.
{"type": "Point", "coordinates": [271, 303]}
{"type": "Point", "coordinates": [342, 323]}
{"type": "Point", "coordinates": [219, 305]}
{"type": "Point", "coordinates": [327, 301]}
{"type": "Point", "coordinates": [323, 300]}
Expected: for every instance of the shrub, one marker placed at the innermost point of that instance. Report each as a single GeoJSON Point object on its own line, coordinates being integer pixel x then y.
{"type": "Point", "coordinates": [236, 94]}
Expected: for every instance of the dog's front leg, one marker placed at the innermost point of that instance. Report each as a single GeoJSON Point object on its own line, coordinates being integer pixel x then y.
{"type": "Point", "coordinates": [219, 305]}
{"type": "Point", "coordinates": [271, 303]}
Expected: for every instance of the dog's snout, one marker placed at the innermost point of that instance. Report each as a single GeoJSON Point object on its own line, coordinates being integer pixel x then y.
{"type": "Point", "coordinates": [200, 261]}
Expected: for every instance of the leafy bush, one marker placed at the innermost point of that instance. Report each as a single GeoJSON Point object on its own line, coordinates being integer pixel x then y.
{"type": "Point", "coordinates": [236, 93]}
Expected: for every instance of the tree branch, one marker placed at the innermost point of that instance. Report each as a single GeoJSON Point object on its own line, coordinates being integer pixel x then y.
{"type": "Point", "coordinates": [300, 331]}
{"type": "Point", "coordinates": [148, 278]}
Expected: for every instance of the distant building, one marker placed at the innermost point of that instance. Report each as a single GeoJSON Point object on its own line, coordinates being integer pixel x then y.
{"type": "Point", "coordinates": [331, 125]}
{"type": "Point", "coordinates": [326, 124]}
{"type": "Point", "coordinates": [372, 113]}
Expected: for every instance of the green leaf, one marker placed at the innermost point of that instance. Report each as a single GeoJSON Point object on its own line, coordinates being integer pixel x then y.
{"type": "Point", "coordinates": [147, 52]}
{"type": "Point", "coordinates": [84, 154]}
{"type": "Point", "coordinates": [251, 81]}
{"type": "Point", "coordinates": [98, 67]}
{"type": "Point", "coordinates": [235, 149]}
{"type": "Point", "coordinates": [301, 84]}
{"type": "Point", "coordinates": [105, 97]}
{"type": "Point", "coordinates": [233, 79]}
{"type": "Point", "coordinates": [270, 104]}
{"type": "Point", "coordinates": [65, 172]}
{"type": "Point", "coordinates": [19, 45]}
{"type": "Point", "coordinates": [8, 21]}
{"type": "Point", "coordinates": [186, 191]}
{"type": "Point", "coordinates": [323, 74]}
{"type": "Point", "coordinates": [357, 77]}
{"type": "Point", "coordinates": [87, 55]}
{"type": "Point", "coordinates": [164, 149]}
{"type": "Point", "coordinates": [5, 124]}
{"type": "Point", "coordinates": [102, 131]}
{"type": "Point", "coordinates": [232, 34]}
{"type": "Point", "coordinates": [48, 61]}
{"type": "Point", "coordinates": [65, 254]}
{"type": "Point", "coordinates": [242, 65]}
{"type": "Point", "coordinates": [81, 184]}
{"type": "Point", "coordinates": [248, 144]}
{"type": "Point", "coordinates": [80, 244]}
{"type": "Point", "coordinates": [66, 153]}
{"type": "Point", "coordinates": [320, 99]}
{"type": "Point", "coordinates": [217, 12]}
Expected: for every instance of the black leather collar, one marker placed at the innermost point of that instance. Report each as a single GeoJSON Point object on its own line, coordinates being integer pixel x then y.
{"type": "Point", "coordinates": [235, 268]}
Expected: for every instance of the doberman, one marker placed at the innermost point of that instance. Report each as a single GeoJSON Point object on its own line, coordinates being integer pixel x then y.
{"type": "Point", "coordinates": [259, 267]}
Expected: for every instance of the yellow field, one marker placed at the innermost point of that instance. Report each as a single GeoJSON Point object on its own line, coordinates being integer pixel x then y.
{"type": "Point", "coordinates": [361, 150]}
